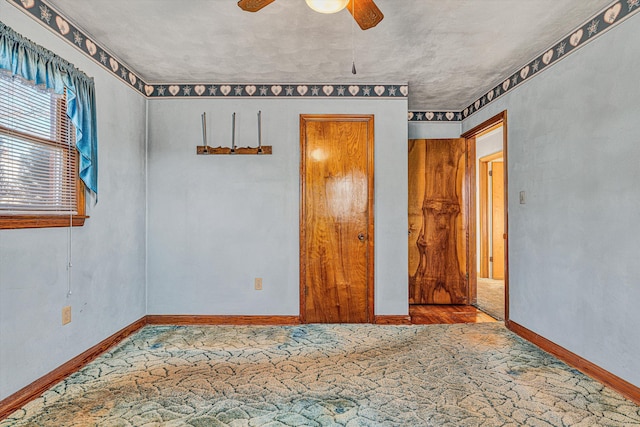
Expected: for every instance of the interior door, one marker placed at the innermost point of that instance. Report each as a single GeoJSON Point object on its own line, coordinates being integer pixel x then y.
{"type": "Point", "coordinates": [437, 222]}
{"type": "Point", "coordinates": [497, 219]}
{"type": "Point", "coordinates": [336, 221]}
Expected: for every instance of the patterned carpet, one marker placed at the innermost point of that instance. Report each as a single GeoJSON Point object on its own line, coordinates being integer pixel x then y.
{"type": "Point", "coordinates": [491, 297]}
{"type": "Point", "coordinates": [327, 375]}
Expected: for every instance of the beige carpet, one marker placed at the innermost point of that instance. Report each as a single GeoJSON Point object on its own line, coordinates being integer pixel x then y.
{"type": "Point", "coordinates": [491, 297]}
{"type": "Point", "coordinates": [327, 375]}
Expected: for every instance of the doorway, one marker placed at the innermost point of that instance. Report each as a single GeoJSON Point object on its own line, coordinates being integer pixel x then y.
{"type": "Point", "coordinates": [490, 196]}
{"type": "Point", "coordinates": [336, 218]}
{"type": "Point", "coordinates": [489, 290]}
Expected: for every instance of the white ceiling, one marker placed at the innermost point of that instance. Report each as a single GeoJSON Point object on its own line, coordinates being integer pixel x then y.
{"type": "Point", "coordinates": [449, 51]}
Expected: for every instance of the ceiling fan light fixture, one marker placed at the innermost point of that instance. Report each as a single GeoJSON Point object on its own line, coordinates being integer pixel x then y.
{"type": "Point", "coordinates": [327, 6]}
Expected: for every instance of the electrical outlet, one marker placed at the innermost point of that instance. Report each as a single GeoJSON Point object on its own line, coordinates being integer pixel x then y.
{"type": "Point", "coordinates": [258, 283]}
{"type": "Point", "coordinates": [66, 314]}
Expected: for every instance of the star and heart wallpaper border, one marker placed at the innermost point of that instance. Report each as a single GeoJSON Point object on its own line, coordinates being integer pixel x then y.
{"type": "Point", "coordinates": [50, 18]}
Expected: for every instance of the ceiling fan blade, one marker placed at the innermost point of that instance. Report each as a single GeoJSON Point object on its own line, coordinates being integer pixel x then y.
{"type": "Point", "coordinates": [254, 5]}
{"type": "Point", "coordinates": [365, 12]}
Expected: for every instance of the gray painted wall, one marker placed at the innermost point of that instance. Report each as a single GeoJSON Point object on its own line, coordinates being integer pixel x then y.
{"type": "Point", "coordinates": [573, 247]}
{"type": "Point", "coordinates": [108, 252]}
{"type": "Point", "coordinates": [434, 130]}
{"type": "Point", "coordinates": [217, 222]}
{"type": "Point", "coordinates": [488, 144]}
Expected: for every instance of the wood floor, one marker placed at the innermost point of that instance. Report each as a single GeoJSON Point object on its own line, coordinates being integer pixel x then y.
{"type": "Point", "coordinates": [447, 314]}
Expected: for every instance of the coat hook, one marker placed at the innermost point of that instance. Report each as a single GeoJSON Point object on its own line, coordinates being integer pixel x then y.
{"type": "Point", "coordinates": [260, 149]}
{"type": "Point", "coordinates": [233, 134]}
{"type": "Point", "coordinates": [259, 132]}
{"type": "Point", "coordinates": [204, 133]}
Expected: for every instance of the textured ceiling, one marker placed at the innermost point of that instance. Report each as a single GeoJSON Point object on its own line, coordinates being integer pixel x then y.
{"type": "Point", "coordinates": [449, 51]}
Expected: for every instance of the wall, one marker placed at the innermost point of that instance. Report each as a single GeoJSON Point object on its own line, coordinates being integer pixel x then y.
{"type": "Point", "coordinates": [434, 130]}
{"type": "Point", "coordinates": [108, 252]}
{"type": "Point", "coordinates": [488, 144]}
{"type": "Point", "coordinates": [573, 247]}
{"type": "Point", "coordinates": [217, 222]}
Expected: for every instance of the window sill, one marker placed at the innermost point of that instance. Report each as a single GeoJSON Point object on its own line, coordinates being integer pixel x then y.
{"type": "Point", "coordinates": [39, 221]}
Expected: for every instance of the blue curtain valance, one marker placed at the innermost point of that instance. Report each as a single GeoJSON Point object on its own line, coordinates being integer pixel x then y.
{"type": "Point", "coordinates": [20, 56]}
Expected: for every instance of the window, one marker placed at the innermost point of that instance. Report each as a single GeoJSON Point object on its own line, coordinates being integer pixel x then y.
{"type": "Point", "coordinates": [39, 184]}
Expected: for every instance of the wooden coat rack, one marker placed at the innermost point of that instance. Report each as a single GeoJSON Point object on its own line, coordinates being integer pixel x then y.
{"type": "Point", "coordinates": [206, 150]}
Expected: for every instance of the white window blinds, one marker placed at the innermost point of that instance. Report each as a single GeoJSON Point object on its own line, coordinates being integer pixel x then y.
{"type": "Point", "coordinates": [38, 172]}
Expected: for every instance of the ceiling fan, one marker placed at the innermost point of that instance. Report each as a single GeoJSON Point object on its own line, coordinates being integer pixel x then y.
{"type": "Point", "coordinates": [365, 12]}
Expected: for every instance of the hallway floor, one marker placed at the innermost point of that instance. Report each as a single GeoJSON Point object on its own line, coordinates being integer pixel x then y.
{"type": "Point", "coordinates": [491, 297]}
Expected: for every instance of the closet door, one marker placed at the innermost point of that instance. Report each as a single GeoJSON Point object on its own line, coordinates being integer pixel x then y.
{"type": "Point", "coordinates": [336, 221]}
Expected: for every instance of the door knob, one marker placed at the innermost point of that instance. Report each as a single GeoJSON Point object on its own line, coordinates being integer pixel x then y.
{"type": "Point", "coordinates": [361, 237]}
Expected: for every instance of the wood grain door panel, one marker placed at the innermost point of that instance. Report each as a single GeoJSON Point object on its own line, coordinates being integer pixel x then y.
{"type": "Point", "coordinates": [497, 219]}
{"type": "Point", "coordinates": [336, 219]}
{"type": "Point", "coordinates": [437, 222]}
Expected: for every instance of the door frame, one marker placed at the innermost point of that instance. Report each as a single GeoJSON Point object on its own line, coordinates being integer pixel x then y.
{"type": "Point", "coordinates": [369, 118]}
{"type": "Point", "coordinates": [471, 135]}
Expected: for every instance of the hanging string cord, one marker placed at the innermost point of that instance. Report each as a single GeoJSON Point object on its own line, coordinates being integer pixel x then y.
{"type": "Point", "coordinates": [70, 196]}
{"type": "Point", "coordinates": [69, 264]}
{"type": "Point", "coordinates": [353, 43]}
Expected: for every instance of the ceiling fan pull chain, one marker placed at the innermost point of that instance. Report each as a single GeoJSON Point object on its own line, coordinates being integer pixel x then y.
{"type": "Point", "coordinates": [353, 43]}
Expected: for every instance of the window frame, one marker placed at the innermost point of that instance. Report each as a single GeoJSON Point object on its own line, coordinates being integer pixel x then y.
{"type": "Point", "coordinates": [77, 219]}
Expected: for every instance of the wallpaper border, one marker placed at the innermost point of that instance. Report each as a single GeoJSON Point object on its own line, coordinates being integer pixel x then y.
{"type": "Point", "coordinates": [56, 22]}
{"type": "Point", "coordinates": [597, 25]}
{"type": "Point", "coordinates": [608, 18]}
{"type": "Point", "coordinates": [49, 17]}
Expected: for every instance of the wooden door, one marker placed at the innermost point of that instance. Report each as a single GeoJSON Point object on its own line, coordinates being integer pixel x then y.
{"type": "Point", "coordinates": [497, 219]}
{"type": "Point", "coordinates": [336, 219]}
{"type": "Point", "coordinates": [438, 222]}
